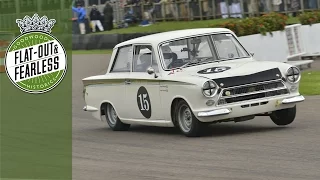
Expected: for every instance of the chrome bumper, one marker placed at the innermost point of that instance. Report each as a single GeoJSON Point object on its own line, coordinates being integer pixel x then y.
{"type": "Point", "coordinates": [293, 100]}
{"type": "Point", "coordinates": [214, 112]}
{"type": "Point", "coordinates": [90, 108]}
{"type": "Point", "coordinates": [225, 111]}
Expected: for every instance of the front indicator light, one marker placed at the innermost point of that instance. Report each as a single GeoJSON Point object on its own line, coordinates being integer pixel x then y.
{"type": "Point", "coordinates": [210, 102]}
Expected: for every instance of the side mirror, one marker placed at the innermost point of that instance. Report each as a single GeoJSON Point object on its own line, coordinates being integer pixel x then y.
{"type": "Point", "coordinates": [252, 53]}
{"type": "Point", "coordinates": [151, 71]}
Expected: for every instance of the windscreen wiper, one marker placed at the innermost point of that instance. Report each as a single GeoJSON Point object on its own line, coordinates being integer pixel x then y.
{"type": "Point", "coordinates": [193, 62]}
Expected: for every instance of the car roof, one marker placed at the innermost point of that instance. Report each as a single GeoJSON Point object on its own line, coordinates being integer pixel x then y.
{"type": "Point", "coordinates": [166, 36]}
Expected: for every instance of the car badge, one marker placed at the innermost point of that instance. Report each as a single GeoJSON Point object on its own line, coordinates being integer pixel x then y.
{"type": "Point", "coordinates": [277, 75]}
{"type": "Point", "coordinates": [221, 84]}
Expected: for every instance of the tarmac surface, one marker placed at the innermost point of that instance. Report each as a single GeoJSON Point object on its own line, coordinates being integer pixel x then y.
{"type": "Point", "coordinates": [256, 149]}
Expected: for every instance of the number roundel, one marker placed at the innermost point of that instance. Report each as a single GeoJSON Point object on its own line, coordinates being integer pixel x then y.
{"type": "Point", "coordinates": [144, 104]}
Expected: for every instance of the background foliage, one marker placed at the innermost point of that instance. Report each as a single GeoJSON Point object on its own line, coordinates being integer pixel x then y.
{"type": "Point", "coordinates": [310, 18]}
{"type": "Point", "coordinates": [266, 23]}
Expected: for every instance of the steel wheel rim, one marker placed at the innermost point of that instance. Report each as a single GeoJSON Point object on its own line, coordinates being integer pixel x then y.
{"type": "Point", "coordinates": [112, 115]}
{"type": "Point", "coordinates": [185, 118]}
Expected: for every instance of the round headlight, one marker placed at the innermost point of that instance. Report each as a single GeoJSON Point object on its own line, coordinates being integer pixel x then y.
{"type": "Point", "coordinates": [209, 89]}
{"type": "Point", "coordinates": [293, 74]}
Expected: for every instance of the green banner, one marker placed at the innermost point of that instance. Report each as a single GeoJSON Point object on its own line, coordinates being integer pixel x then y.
{"type": "Point", "coordinates": [36, 126]}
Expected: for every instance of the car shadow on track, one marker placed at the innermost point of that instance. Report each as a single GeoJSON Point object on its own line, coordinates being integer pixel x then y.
{"type": "Point", "coordinates": [216, 130]}
{"type": "Point", "coordinates": [212, 130]}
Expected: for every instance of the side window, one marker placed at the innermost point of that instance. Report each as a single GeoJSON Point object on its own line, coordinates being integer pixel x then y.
{"type": "Point", "coordinates": [143, 58]}
{"type": "Point", "coordinates": [123, 59]}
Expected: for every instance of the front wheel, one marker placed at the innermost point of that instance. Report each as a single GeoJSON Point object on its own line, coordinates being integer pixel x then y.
{"type": "Point", "coordinates": [189, 125]}
{"type": "Point", "coordinates": [284, 116]}
{"type": "Point", "coordinates": [113, 119]}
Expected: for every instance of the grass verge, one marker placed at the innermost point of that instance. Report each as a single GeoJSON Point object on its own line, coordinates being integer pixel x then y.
{"type": "Point", "coordinates": [176, 25]}
{"type": "Point", "coordinates": [310, 83]}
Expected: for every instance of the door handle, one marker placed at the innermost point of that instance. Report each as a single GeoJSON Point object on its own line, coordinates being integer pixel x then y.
{"type": "Point", "coordinates": [127, 82]}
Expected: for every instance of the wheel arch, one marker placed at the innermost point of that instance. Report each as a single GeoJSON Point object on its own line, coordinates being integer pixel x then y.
{"type": "Point", "coordinates": [103, 106]}
{"type": "Point", "coordinates": [174, 101]}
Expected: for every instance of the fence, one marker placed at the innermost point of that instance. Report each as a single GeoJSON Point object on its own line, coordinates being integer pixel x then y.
{"type": "Point", "coordinates": [167, 10]}
{"type": "Point", "coordinates": [177, 10]}
{"type": "Point", "coordinates": [212, 9]}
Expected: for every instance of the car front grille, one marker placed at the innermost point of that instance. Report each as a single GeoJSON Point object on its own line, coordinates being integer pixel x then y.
{"type": "Point", "coordinates": [252, 91]}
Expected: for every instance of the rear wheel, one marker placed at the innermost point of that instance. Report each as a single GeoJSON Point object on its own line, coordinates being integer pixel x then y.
{"type": "Point", "coordinates": [284, 116]}
{"type": "Point", "coordinates": [189, 125]}
{"type": "Point", "coordinates": [113, 119]}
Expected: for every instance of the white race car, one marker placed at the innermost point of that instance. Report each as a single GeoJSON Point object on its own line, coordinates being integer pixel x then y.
{"type": "Point", "coordinates": [189, 78]}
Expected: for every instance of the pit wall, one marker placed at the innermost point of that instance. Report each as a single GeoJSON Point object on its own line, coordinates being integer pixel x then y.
{"type": "Point", "coordinates": [276, 47]}
{"type": "Point", "coordinates": [273, 47]}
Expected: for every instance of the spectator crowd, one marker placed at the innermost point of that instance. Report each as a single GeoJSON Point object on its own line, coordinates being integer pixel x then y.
{"type": "Point", "coordinates": [104, 20]}
{"type": "Point", "coordinates": [147, 12]}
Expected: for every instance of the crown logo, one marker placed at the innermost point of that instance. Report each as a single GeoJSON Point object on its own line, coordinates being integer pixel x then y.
{"type": "Point", "coordinates": [35, 23]}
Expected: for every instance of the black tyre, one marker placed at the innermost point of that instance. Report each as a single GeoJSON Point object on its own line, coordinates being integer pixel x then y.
{"type": "Point", "coordinates": [113, 119]}
{"type": "Point", "coordinates": [189, 125]}
{"type": "Point", "coordinates": [284, 116]}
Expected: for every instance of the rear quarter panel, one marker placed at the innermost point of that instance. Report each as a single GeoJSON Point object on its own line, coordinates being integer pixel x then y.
{"type": "Point", "coordinates": [105, 88]}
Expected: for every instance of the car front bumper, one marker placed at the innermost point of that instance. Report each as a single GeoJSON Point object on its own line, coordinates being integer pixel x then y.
{"type": "Point", "coordinates": [90, 108]}
{"type": "Point", "coordinates": [295, 99]}
{"type": "Point", "coordinates": [237, 110]}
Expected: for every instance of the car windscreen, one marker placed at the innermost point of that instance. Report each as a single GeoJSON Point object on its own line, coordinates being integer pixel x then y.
{"type": "Point", "coordinates": [201, 49]}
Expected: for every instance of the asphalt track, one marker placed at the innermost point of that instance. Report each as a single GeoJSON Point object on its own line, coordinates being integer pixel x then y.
{"type": "Point", "coordinates": [255, 149]}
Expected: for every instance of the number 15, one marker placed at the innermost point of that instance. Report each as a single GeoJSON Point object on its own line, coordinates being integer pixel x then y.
{"type": "Point", "coordinates": [144, 102]}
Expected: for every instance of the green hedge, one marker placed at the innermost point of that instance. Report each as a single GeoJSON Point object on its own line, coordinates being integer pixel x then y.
{"type": "Point", "coordinates": [266, 23]}
{"type": "Point", "coordinates": [255, 25]}
{"type": "Point", "coordinates": [309, 18]}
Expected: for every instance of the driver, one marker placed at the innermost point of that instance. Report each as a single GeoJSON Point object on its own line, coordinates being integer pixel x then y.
{"type": "Point", "coordinates": [167, 55]}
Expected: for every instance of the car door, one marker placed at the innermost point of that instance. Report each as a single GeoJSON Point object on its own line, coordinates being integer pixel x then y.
{"type": "Point", "coordinates": [143, 89]}
{"type": "Point", "coordinates": [120, 69]}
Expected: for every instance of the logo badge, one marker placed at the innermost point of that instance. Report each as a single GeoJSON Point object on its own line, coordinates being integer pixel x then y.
{"type": "Point", "coordinates": [36, 61]}
{"type": "Point", "coordinates": [214, 70]}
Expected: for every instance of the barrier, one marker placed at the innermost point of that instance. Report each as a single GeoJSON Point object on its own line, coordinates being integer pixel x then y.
{"type": "Point", "coordinates": [294, 43]}
{"type": "Point", "coordinates": [296, 46]}
{"type": "Point", "coordinates": [312, 38]}
{"type": "Point", "coordinates": [101, 41]}
{"type": "Point", "coordinates": [5, 40]}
